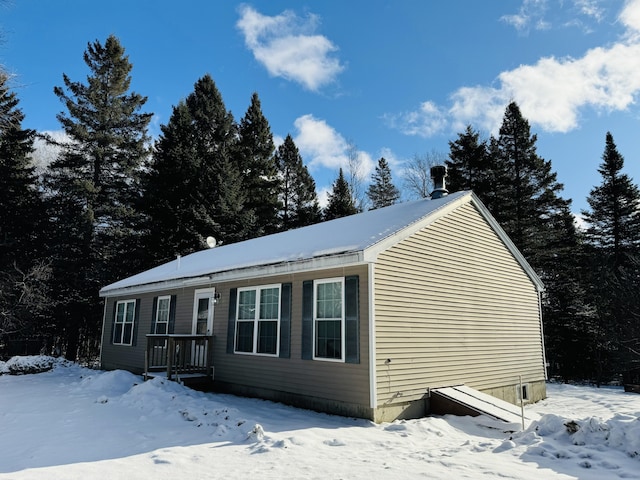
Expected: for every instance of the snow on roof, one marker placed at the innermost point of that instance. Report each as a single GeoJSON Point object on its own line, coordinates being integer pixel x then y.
{"type": "Point", "coordinates": [344, 235]}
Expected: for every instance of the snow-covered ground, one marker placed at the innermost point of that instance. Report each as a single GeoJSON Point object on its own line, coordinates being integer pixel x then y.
{"type": "Point", "coordinates": [75, 423]}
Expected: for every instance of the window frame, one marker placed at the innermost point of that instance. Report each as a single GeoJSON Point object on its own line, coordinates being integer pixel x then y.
{"type": "Point", "coordinates": [156, 320]}
{"type": "Point", "coordinates": [342, 319]}
{"type": "Point", "coordinates": [257, 320]}
{"type": "Point", "coordinates": [124, 322]}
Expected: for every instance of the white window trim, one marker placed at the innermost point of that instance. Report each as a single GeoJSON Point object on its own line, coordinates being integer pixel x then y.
{"type": "Point", "coordinates": [163, 297]}
{"type": "Point", "coordinates": [123, 323]}
{"type": "Point", "coordinates": [256, 320]}
{"type": "Point", "coordinates": [342, 320]}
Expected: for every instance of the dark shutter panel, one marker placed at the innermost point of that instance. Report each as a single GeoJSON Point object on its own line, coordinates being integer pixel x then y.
{"type": "Point", "coordinates": [136, 320]}
{"type": "Point", "coordinates": [172, 314]}
{"type": "Point", "coordinates": [285, 320]}
{"type": "Point", "coordinates": [154, 310]}
{"type": "Point", "coordinates": [113, 322]}
{"type": "Point", "coordinates": [351, 312]}
{"type": "Point", "coordinates": [307, 320]}
{"type": "Point", "coordinates": [231, 325]}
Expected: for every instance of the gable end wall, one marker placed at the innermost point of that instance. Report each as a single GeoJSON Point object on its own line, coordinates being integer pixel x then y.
{"type": "Point", "coordinates": [453, 306]}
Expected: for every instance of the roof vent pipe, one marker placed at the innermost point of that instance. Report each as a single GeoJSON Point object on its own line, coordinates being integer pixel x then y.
{"type": "Point", "coordinates": [438, 174]}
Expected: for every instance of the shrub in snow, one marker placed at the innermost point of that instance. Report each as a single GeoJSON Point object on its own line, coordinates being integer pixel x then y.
{"type": "Point", "coordinates": [29, 364]}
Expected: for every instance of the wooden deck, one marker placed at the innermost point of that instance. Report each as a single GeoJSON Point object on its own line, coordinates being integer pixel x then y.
{"type": "Point", "coordinates": [178, 357]}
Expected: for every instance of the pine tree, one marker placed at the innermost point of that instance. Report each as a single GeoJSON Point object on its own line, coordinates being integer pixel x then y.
{"type": "Point", "coordinates": [527, 190]}
{"type": "Point", "coordinates": [469, 165]}
{"type": "Point", "coordinates": [94, 189]}
{"type": "Point", "coordinates": [194, 187]}
{"type": "Point", "coordinates": [522, 192]}
{"type": "Point", "coordinates": [613, 236]}
{"type": "Point", "coordinates": [614, 216]}
{"type": "Point", "coordinates": [298, 196]}
{"type": "Point", "coordinates": [23, 273]}
{"type": "Point", "coordinates": [257, 164]}
{"type": "Point", "coordinates": [340, 202]}
{"type": "Point", "coordinates": [382, 192]}
{"type": "Point", "coordinates": [19, 195]}
{"type": "Point", "coordinates": [179, 213]}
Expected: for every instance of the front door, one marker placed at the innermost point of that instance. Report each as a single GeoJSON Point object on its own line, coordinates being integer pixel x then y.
{"type": "Point", "coordinates": [202, 323]}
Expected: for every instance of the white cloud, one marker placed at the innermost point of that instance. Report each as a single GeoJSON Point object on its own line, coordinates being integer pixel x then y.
{"type": "Point", "coordinates": [426, 121]}
{"type": "Point", "coordinates": [590, 8]}
{"type": "Point", "coordinates": [551, 93]}
{"type": "Point", "coordinates": [322, 146]}
{"type": "Point", "coordinates": [630, 18]}
{"type": "Point", "coordinates": [287, 47]}
{"type": "Point", "coordinates": [531, 12]}
{"type": "Point", "coordinates": [532, 15]}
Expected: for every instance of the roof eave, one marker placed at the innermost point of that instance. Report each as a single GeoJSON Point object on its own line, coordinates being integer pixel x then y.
{"type": "Point", "coordinates": [259, 271]}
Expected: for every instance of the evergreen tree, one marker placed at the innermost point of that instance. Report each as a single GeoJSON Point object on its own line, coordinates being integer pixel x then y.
{"type": "Point", "coordinates": [258, 167]}
{"type": "Point", "coordinates": [298, 197]}
{"type": "Point", "coordinates": [382, 192]}
{"type": "Point", "coordinates": [526, 188]}
{"type": "Point", "coordinates": [469, 165]}
{"type": "Point", "coordinates": [614, 216]}
{"type": "Point", "coordinates": [194, 186]}
{"type": "Point", "coordinates": [522, 192]}
{"type": "Point", "coordinates": [23, 274]}
{"type": "Point", "coordinates": [613, 236]}
{"type": "Point", "coordinates": [94, 189]}
{"type": "Point", "coordinates": [179, 212]}
{"type": "Point", "coordinates": [19, 195]}
{"type": "Point", "coordinates": [340, 202]}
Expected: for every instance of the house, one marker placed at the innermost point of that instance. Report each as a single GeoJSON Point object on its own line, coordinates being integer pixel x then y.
{"type": "Point", "coordinates": [360, 316]}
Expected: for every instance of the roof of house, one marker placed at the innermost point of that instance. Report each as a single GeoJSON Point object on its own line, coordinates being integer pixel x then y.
{"type": "Point", "coordinates": [347, 240]}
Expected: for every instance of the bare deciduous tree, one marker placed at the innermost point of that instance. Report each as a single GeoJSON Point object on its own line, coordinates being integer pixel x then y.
{"type": "Point", "coordinates": [417, 173]}
{"type": "Point", "coordinates": [356, 177]}
{"type": "Point", "coordinates": [24, 296]}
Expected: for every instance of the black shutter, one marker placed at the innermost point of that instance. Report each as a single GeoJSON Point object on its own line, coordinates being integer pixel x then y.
{"type": "Point", "coordinates": [154, 310]}
{"type": "Point", "coordinates": [231, 325]}
{"type": "Point", "coordinates": [172, 314]}
{"type": "Point", "coordinates": [351, 312]}
{"type": "Point", "coordinates": [307, 320]}
{"type": "Point", "coordinates": [285, 320]}
{"type": "Point", "coordinates": [136, 320]}
{"type": "Point", "coordinates": [113, 322]}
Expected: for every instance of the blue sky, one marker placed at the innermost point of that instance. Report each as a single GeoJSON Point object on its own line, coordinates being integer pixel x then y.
{"type": "Point", "coordinates": [392, 78]}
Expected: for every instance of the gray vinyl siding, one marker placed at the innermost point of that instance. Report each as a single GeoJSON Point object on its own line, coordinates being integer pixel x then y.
{"type": "Point", "coordinates": [131, 357]}
{"type": "Point", "coordinates": [453, 306]}
{"type": "Point", "coordinates": [331, 381]}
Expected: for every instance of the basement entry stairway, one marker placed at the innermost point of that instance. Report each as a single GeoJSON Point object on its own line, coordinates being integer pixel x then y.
{"type": "Point", "coordinates": [463, 400]}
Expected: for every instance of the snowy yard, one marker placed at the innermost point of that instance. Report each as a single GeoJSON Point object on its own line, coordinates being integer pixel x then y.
{"type": "Point", "coordinates": [75, 423]}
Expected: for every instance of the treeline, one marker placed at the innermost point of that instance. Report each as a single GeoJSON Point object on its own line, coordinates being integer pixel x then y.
{"type": "Point", "coordinates": [113, 203]}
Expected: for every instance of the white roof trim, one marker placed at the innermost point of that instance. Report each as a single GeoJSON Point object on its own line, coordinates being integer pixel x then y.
{"type": "Point", "coordinates": [261, 271]}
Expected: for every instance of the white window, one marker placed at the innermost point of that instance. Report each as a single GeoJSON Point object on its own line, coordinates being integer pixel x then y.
{"type": "Point", "coordinates": [328, 319]}
{"type": "Point", "coordinates": [162, 315]}
{"type": "Point", "coordinates": [258, 320]}
{"type": "Point", "coordinates": [123, 325]}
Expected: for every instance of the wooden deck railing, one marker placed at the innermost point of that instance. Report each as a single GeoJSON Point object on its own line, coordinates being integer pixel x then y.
{"type": "Point", "coordinates": [178, 355]}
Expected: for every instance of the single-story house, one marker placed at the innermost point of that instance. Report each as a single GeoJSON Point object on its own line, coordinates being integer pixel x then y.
{"type": "Point", "coordinates": [360, 316]}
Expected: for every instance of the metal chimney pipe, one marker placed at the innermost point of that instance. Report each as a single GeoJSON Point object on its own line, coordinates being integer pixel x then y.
{"type": "Point", "coordinates": [438, 174]}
